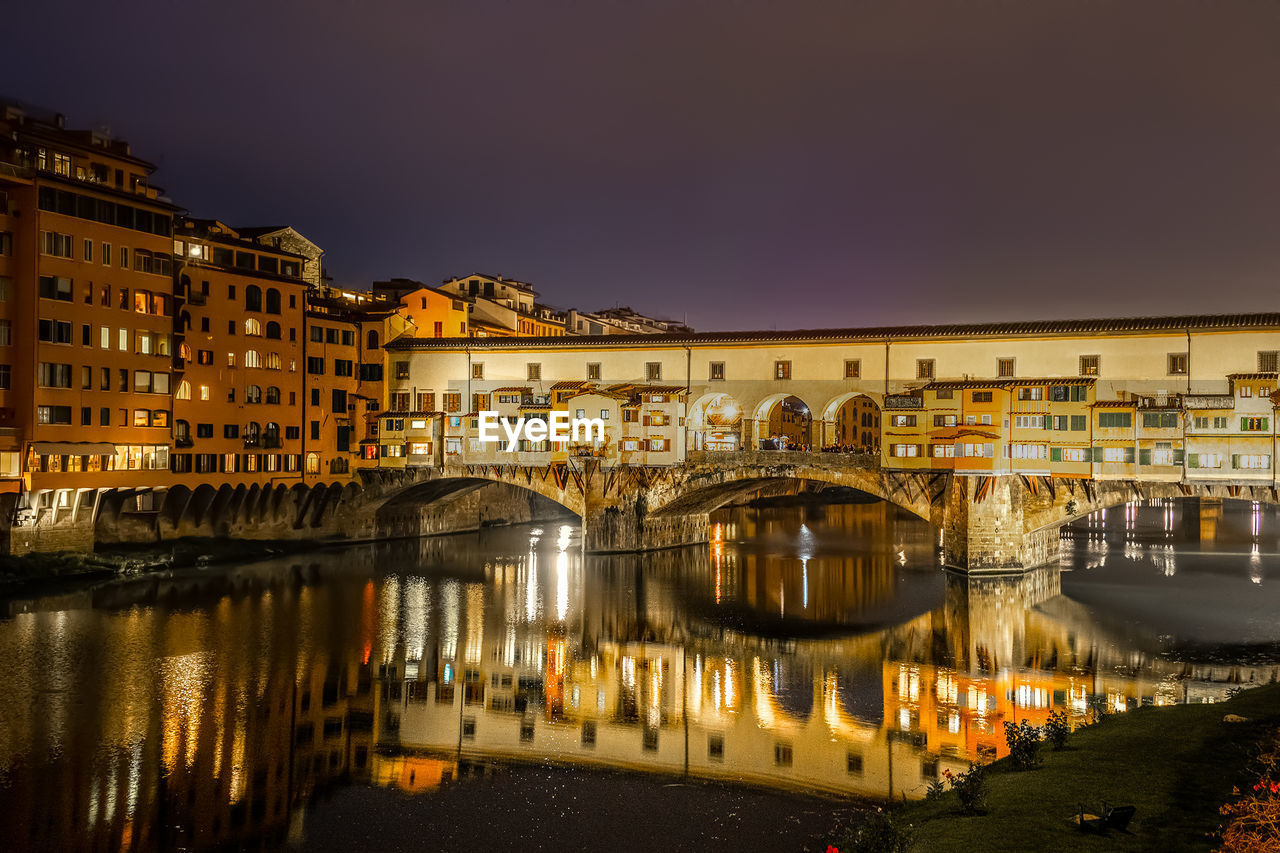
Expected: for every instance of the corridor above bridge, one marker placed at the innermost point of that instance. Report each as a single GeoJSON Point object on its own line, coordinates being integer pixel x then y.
{"type": "Point", "coordinates": [1161, 398]}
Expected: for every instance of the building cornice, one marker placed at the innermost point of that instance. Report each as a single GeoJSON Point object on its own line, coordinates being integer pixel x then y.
{"type": "Point", "coordinates": [875, 334]}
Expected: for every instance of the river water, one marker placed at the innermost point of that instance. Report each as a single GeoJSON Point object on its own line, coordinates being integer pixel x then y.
{"type": "Point", "coordinates": [502, 689]}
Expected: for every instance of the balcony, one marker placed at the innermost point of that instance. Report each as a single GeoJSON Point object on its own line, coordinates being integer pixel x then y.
{"type": "Point", "coordinates": [271, 442]}
{"type": "Point", "coordinates": [252, 441]}
{"type": "Point", "coordinates": [183, 441]}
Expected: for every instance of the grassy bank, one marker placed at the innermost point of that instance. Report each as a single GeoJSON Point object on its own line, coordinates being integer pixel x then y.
{"type": "Point", "coordinates": [1177, 765]}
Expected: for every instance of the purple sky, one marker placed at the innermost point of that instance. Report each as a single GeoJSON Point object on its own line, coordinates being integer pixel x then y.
{"type": "Point", "coordinates": [745, 164]}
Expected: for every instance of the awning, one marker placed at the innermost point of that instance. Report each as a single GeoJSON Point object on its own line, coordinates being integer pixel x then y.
{"type": "Point", "coordinates": [73, 448]}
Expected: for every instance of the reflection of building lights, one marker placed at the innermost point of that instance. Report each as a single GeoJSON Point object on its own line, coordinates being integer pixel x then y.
{"type": "Point", "coordinates": [562, 585]}
{"type": "Point", "coordinates": [448, 674]}
{"type": "Point", "coordinates": [909, 683]}
{"type": "Point", "coordinates": [1255, 565]}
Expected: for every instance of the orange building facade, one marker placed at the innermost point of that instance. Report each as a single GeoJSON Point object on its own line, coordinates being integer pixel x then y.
{"type": "Point", "coordinates": [143, 348]}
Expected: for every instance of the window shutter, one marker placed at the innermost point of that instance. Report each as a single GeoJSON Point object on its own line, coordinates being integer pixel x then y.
{"type": "Point", "coordinates": [1244, 424]}
{"type": "Point", "coordinates": [1144, 457]}
{"type": "Point", "coordinates": [1178, 456]}
{"type": "Point", "coordinates": [1235, 460]}
{"type": "Point", "coordinates": [1264, 424]}
{"type": "Point", "coordinates": [1128, 455]}
{"type": "Point", "coordinates": [1097, 453]}
{"type": "Point", "coordinates": [1193, 460]}
{"type": "Point", "coordinates": [1055, 454]}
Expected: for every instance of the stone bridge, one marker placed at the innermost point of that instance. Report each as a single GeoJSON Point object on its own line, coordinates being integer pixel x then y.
{"type": "Point", "coordinates": [986, 523]}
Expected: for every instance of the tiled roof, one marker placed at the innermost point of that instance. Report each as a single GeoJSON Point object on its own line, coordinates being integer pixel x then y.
{"type": "Point", "coordinates": [873, 334]}
{"type": "Point", "coordinates": [964, 384]}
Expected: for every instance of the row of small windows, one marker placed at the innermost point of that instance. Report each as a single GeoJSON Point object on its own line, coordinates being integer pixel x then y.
{"type": "Point", "coordinates": [345, 337]}
{"type": "Point", "coordinates": [926, 368]}
{"type": "Point", "coordinates": [224, 257]}
{"type": "Point", "coordinates": [93, 209]}
{"type": "Point", "coordinates": [57, 375]}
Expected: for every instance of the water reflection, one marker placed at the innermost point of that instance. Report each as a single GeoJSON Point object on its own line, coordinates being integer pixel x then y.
{"type": "Point", "coordinates": [818, 648]}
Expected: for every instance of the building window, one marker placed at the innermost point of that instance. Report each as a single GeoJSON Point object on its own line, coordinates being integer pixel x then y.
{"type": "Point", "coordinates": [1177, 364]}
{"type": "Point", "coordinates": [1004, 368]}
{"type": "Point", "coordinates": [653, 371]}
{"type": "Point", "coordinates": [924, 368]}
{"type": "Point", "coordinates": [1089, 365]}
{"type": "Point", "coordinates": [533, 371]}
{"type": "Point", "coordinates": [1268, 361]}
{"type": "Point", "coordinates": [852, 368]}
{"type": "Point", "coordinates": [982, 396]}
{"type": "Point", "coordinates": [716, 371]}
{"type": "Point", "coordinates": [593, 371]}
{"type": "Point", "coordinates": [1115, 420]}
{"type": "Point", "coordinates": [477, 370]}
{"type": "Point", "coordinates": [782, 370]}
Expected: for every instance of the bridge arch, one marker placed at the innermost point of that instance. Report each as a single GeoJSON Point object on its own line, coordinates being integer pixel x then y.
{"type": "Point", "coordinates": [723, 481]}
{"type": "Point", "coordinates": [415, 507]}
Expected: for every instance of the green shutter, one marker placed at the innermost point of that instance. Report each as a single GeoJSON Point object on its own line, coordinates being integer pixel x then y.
{"type": "Point", "coordinates": [1264, 424]}
{"type": "Point", "coordinates": [1055, 454]}
{"type": "Point", "coordinates": [1097, 454]}
{"type": "Point", "coordinates": [1193, 460]}
{"type": "Point", "coordinates": [1128, 455]}
{"type": "Point", "coordinates": [1178, 456]}
{"type": "Point", "coordinates": [1144, 456]}
{"type": "Point", "coordinates": [1244, 424]}
{"type": "Point", "coordinates": [1235, 460]}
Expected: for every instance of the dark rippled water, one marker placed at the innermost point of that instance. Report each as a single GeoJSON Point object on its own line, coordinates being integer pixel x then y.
{"type": "Point", "coordinates": [500, 688]}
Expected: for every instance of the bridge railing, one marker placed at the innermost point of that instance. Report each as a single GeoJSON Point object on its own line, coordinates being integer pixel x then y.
{"type": "Point", "coordinates": [749, 458]}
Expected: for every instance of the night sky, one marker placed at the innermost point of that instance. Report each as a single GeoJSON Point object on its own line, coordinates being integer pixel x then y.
{"type": "Point", "coordinates": [741, 164]}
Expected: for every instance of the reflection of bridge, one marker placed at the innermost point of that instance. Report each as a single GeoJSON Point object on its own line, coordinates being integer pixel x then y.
{"type": "Point", "coordinates": [280, 678]}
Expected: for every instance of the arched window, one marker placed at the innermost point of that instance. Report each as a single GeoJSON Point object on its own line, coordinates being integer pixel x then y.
{"type": "Point", "coordinates": [184, 352]}
{"type": "Point", "coordinates": [184, 391]}
{"type": "Point", "coordinates": [252, 359]}
{"type": "Point", "coordinates": [186, 321]}
{"type": "Point", "coordinates": [272, 395]}
{"type": "Point", "coordinates": [253, 298]}
{"type": "Point", "coordinates": [273, 301]}
{"type": "Point", "coordinates": [273, 361]}
{"type": "Point", "coordinates": [253, 394]}
{"type": "Point", "coordinates": [371, 339]}
{"type": "Point", "coordinates": [313, 463]}
{"type": "Point", "coordinates": [271, 430]}
{"type": "Point", "coordinates": [252, 431]}
{"type": "Point", "coordinates": [252, 327]}
{"type": "Point", "coordinates": [181, 430]}
{"type": "Point", "coordinates": [273, 330]}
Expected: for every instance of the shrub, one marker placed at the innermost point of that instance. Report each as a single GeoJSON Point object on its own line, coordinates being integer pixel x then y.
{"type": "Point", "coordinates": [971, 787]}
{"type": "Point", "coordinates": [1057, 729]}
{"type": "Point", "coordinates": [935, 789]}
{"type": "Point", "coordinates": [1024, 744]}
{"type": "Point", "coordinates": [881, 832]}
{"type": "Point", "coordinates": [1254, 825]}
